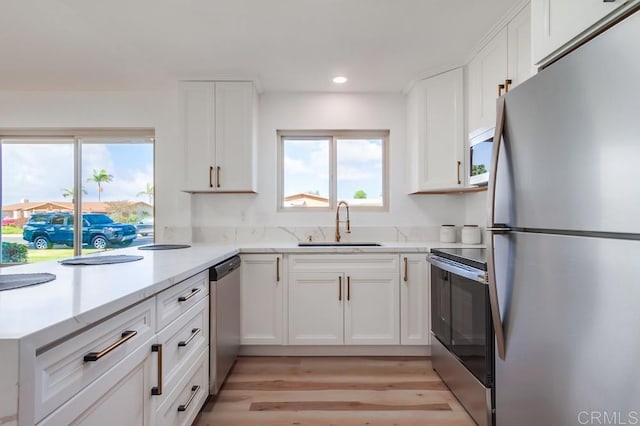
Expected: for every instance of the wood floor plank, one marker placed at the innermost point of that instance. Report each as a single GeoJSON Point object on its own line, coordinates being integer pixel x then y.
{"type": "Point", "coordinates": [342, 406]}
{"type": "Point", "coordinates": [344, 391]}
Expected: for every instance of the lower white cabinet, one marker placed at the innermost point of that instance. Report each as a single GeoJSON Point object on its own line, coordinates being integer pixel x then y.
{"type": "Point", "coordinates": [343, 299]}
{"type": "Point", "coordinates": [415, 305]}
{"type": "Point", "coordinates": [261, 299]}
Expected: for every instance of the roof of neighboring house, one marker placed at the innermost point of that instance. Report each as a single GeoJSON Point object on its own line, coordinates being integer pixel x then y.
{"type": "Point", "coordinates": [87, 206]}
{"type": "Point", "coordinates": [305, 195]}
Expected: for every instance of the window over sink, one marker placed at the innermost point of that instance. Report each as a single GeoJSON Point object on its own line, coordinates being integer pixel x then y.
{"type": "Point", "coordinates": [318, 169]}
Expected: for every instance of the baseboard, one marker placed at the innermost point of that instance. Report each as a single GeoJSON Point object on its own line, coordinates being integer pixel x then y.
{"type": "Point", "coordinates": [277, 350]}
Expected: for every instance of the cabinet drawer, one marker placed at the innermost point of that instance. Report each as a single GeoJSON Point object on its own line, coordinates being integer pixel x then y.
{"type": "Point", "coordinates": [181, 341]}
{"type": "Point", "coordinates": [182, 405]}
{"type": "Point", "coordinates": [65, 369]}
{"type": "Point", "coordinates": [342, 262]}
{"type": "Point", "coordinates": [178, 299]}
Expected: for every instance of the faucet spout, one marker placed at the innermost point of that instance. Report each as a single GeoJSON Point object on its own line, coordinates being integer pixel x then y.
{"type": "Point", "coordinates": [348, 221]}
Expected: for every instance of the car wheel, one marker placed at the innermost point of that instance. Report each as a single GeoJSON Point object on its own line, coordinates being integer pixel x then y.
{"type": "Point", "coordinates": [99, 242]}
{"type": "Point", "coordinates": [42, 243]}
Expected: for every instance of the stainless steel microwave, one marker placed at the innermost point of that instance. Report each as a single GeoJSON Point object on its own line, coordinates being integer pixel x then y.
{"type": "Point", "coordinates": [480, 149]}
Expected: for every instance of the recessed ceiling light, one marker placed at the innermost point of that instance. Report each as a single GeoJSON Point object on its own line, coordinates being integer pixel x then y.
{"type": "Point", "coordinates": [339, 79]}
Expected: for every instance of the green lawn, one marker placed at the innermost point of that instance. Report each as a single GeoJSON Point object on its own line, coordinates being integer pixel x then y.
{"type": "Point", "coordinates": [10, 229]}
{"type": "Point", "coordinates": [53, 254]}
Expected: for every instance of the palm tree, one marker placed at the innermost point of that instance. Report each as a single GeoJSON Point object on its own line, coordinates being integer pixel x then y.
{"type": "Point", "coordinates": [66, 192]}
{"type": "Point", "coordinates": [100, 177]}
{"type": "Point", "coordinates": [148, 192]}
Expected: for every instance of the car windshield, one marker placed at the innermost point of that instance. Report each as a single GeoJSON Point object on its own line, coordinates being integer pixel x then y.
{"type": "Point", "coordinates": [39, 218]}
{"type": "Point", "coordinates": [99, 219]}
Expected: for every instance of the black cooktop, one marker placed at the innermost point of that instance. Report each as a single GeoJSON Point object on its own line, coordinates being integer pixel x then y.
{"type": "Point", "coordinates": [475, 257]}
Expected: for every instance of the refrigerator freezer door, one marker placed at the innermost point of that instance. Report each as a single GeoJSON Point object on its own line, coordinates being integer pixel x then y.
{"type": "Point", "coordinates": [572, 140]}
{"type": "Point", "coordinates": [571, 315]}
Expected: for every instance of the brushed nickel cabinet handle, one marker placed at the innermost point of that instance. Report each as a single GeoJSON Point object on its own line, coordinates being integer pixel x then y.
{"type": "Point", "coordinates": [194, 291]}
{"type": "Point", "coordinates": [94, 356]}
{"type": "Point", "coordinates": [278, 269]}
{"type": "Point", "coordinates": [218, 177]}
{"type": "Point", "coordinates": [348, 288]}
{"type": "Point", "coordinates": [157, 390]}
{"type": "Point", "coordinates": [406, 269]}
{"type": "Point", "coordinates": [194, 392]}
{"type": "Point", "coordinates": [459, 164]}
{"type": "Point", "coordinates": [340, 289]}
{"type": "Point", "coordinates": [210, 176]}
{"type": "Point", "coordinates": [500, 89]}
{"type": "Point", "coordinates": [507, 83]}
{"type": "Point", "coordinates": [194, 333]}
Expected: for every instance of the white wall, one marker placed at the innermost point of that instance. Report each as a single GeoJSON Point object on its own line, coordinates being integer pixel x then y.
{"type": "Point", "coordinates": [296, 111]}
{"type": "Point", "coordinates": [176, 211]}
{"type": "Point", "coordinates": [154, 109]}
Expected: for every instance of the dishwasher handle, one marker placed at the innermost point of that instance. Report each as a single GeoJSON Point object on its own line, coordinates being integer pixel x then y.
{"type": "Point", "coordinates": [223, 269]}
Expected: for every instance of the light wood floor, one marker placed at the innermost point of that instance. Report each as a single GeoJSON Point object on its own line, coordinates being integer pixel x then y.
{"type": "Point", "coordinates": [340, 391]}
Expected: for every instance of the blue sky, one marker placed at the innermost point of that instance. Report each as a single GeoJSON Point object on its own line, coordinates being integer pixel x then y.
{"type": "Point", "coordinates": [40, 172]}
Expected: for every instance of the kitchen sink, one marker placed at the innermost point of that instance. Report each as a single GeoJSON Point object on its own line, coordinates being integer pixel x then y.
{"type": "Point", "coordinates": [340, 244]}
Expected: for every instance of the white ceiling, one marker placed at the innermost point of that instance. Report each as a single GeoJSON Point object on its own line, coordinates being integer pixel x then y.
{"type": "Point", "coordinates": [286, 45]}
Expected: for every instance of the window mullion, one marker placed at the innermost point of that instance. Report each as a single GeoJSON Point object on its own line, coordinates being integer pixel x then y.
{"type": "Point", "coordinates": [77, 197]}
{"type": "Point", "coordinates": [333, 174]}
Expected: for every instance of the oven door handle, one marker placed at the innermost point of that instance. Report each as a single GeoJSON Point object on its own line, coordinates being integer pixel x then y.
{"type": "Point", "coordinates": [494, 229]}
{"type": "Point", "coordinates": [474, 275]}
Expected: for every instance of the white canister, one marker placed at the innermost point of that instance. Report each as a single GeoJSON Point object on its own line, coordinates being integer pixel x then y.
{"type": "Point", "coordinates": [471, 234]}
{"type": "Point", "coordinates": [447, 234]}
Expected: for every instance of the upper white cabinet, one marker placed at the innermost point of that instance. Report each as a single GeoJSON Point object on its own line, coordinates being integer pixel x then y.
{"type": "Point", "coordinates": [435, 131]}
{"type": "Point", "coordinates": [220, 133]}
{"type": "Point", "coordinates": [503, 63]}
{"type": "Point", "coordinates": [559, 24]}
{"type": "Point", "coordinates": [261, 299]}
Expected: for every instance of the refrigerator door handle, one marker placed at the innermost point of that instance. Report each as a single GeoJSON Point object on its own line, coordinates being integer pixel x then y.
{"type": "Point", "coordinates": [494, 229]}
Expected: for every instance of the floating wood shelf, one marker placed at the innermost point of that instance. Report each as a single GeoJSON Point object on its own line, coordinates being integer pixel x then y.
{"type": "Point", "coordinates": [451, 191]}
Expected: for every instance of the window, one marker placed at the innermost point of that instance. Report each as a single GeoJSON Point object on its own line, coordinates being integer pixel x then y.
{"type": "Point", "coordinates": [41, 170]}
{"type": "Point", "coordinates": [319, 168]}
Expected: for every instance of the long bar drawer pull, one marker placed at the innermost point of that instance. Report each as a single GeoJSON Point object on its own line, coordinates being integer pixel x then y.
{"type": "Point", "coordinates": [157, 390]}
{"type": "Point", "coordinates": [94, 356]}
{"type": "Point", "coordinates": [194, 291]}
{"type": "Point", "coordinates": [194, 333]}
{"type": "Point", "coordinates": [194, 392]}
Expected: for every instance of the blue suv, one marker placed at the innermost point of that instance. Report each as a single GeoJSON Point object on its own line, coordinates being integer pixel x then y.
{"type": "Point", "coordinates": [99, 230]}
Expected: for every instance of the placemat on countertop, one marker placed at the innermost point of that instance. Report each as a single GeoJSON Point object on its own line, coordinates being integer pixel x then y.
{"type": "Point", "coordinates": [164, 247]}
{"type": "Point", "coordinates": [11, 281]}
{"type": "Point", "coordinates": [101, 260]}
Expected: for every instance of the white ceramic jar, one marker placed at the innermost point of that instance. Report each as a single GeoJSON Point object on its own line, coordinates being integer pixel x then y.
{"type": "Point", "coordinates": [447, 234]}
{"type": "Point", "coordinates": [471, 234]}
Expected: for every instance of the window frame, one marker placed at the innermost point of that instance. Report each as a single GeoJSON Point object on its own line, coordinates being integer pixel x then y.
{"type": "Point", "coordinates": [76, 137]}
{"type": "Point", "coordinates": [332, 136]}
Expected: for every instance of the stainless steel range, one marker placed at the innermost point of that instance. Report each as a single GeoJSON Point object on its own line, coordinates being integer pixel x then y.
{"type": "Point", "coordinates": [462, 350]}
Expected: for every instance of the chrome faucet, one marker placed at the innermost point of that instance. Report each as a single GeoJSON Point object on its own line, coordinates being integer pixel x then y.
{"type": "Point", "coordinates": [342, 203]}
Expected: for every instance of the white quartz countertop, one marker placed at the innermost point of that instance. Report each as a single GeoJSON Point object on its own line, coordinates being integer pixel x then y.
{"type": "Point", "coordinates": [83, 295]}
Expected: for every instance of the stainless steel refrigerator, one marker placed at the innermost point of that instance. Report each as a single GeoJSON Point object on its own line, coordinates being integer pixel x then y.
{"type": "Point", "coordinates": [564, 246]}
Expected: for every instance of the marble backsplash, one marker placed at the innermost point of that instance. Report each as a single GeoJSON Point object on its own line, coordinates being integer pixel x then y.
{"type": "Point", "coordinates": [262, 234]}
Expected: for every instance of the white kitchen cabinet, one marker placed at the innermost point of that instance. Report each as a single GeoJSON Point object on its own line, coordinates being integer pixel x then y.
{"type": "Point", "coordinates": [506, 57]}
{"type": "Point", "coordinates": [435, 130]}
{"type": "Point", "coordinates": [415, 306]}
{"type": "Point", "coordinates": [220, 122]}
{"type": "Point", "coordinates": [261, 299]}
{"type": "Point", "coordinates": [559, 24]}
{"type": "Point", "coordinates": [343, 299]}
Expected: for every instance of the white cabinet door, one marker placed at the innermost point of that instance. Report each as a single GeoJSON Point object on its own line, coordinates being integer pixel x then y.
{"type": "Point", "coordinates": [435, 127]}
{"type": "Point", "coordinates": [120, 397]}
{"type": "Point", "coordinates": [519, 47]}
{"type": "Point", "coordinates": [220, 136]}
{"type": "Point", "coordinates": [414, 300]}
{"type": "Point", "coordinates": [316, 308]}
{"type": "Point", "coordinates": [261, 299]}
{"type": "Point", "coordinates": [556, 23]}
{"type": "Point", "coordinates": [234, 134]}
{"type": "Point", "coordinates": [197, 101]}
{"type": "Point", "coordinates": [372, 305]}
{"type": "Point", "coordinates": [487, 70]}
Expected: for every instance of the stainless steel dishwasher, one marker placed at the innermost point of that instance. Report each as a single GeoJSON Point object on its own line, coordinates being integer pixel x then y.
{"type": "Point", "coordinates": [224, 299]}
